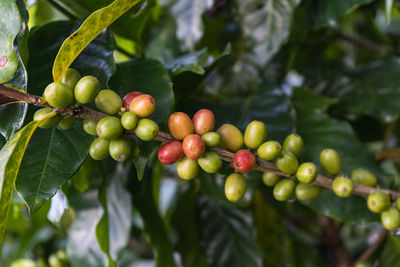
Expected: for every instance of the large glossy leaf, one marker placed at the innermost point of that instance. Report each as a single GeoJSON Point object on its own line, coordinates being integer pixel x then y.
{"type": "Point", "coordinates": [390, 254]}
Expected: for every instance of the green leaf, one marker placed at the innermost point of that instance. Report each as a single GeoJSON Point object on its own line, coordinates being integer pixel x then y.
{"type": "Point", "coordinates": [388, 10]}
{"type": "Point", "coordinates": [80, 180]}
{"type": "Point", "coordinates": [390, 254]}
{"type": "Point", "coordinates": [148, 151]}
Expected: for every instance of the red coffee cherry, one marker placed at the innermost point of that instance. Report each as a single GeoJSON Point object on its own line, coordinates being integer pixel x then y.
{"type": "Point", "coordinates": [193, 146]}
{"type": "Point", "coordinates": [203, 121]}
{"type": "Point", "coordinates": [143, 105]}
{"type": "Point", "coordinates": [170, 152]}
{"type": "Point", "coordinates": [243, 160]}
{"type": "Point", "coordinates": [180, 125]}
{"type": "Point", "coordinates": [129, 97]}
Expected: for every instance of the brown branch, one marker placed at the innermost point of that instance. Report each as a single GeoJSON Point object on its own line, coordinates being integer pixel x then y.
{"type": "Point", "coordinates": [359, 42]}
{"type": "Point", "coordinates": [369, 251]}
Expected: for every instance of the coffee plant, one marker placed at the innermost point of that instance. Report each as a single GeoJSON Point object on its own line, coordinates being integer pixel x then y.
{"type": "Point", "coordinates": [199, 133]}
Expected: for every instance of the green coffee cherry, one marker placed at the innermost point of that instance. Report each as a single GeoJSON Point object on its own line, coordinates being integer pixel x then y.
{"type": "Point", "coordinates": [109, 127]}
{"type": "Point", "coordinates": [23, 263]}
{"type": "Point", "coordinates": [287, 162]}
{"type": "Point", "coordinates": [147, 129]}
{"type": "Point", "coordinates": [363, 264]}
{"type": "Point", "coordinates": [87, 89]}
{"type": "Point", "coordinates": [99, 149]}
{"type": "Point", "coordinates": [70, 78]}
{"type": "Point", "coordinates": [235, 187]}
{"type": "Point", "coordinates": [270, 178]}
{"type": "Point", "coordinates": [187, 168]}
{"type": "Point", "coordinates": [58, 95]}
{"type": "Point", "coordinates": [284, 189]}
{"type": "Point", "coordinates": [129, 120]}
{"type": "Point", "coordinates": [89, 126]}
{"type": "Point", "coordinates": [293, 143]}
{"type": "Point", "coordinates": [47, 123]}
{"type": "Point", "coordinates": [211, 139]}
{"type": "Point", "coordinates": [210, 162]}
{"type": "Point", "coordinates": [364, 177]}
{"type": "Point", "coordinates": [67, 122]}
{"type": "Point", "coordinates": [255, 134]}
{"type": "Point", "coordinates": [378, 201]}
{"type": "Point", "coordinates": [307, 191]}
{"type": "Point", "coordinates": [269, 150]}
{"type": "Point", "coordinates": [398, 203]}
{"type": "Point", "coordinates": [342, 186]}
{"type": "Point", "coordinates": [307, 172]}
{"type": "Point", "coordinates": [120, 148]}
{"type": "Point", "coordinates": [330, 161]}
{"type": "Point", "coordinates": [391, 218]}
{"type": "Point", "coordinates": [108, 101]}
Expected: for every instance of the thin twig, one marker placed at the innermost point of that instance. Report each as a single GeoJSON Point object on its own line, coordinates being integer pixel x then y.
{"type": "Point", "coordinates": [359, 42]}
{"type": "Point", "coordinates": [370, 250]}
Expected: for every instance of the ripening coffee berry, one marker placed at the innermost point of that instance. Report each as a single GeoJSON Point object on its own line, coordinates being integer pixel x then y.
{"type": "Point", "coordinates": [330, 161]}
{"type": "Point", "coordinates": [109, 127]}
{"type": "Point", "coordinates": [231, 137]}
{"type": "Point", "coordinates": [170, 152]}
{"type": "Point", "coordinates": [187, 168]}
{"type": "Point", "coordinates": [210, 162]}
{"type": "Point", "coordinates": [342, 186]}
{"type": "Point", "coordinates": [58, 95]}
{"type": "Point", "coordinates": [129, 120]}
{"type": "Point", "coordinates": [66, 122]}
{"type": "Point", "coordinates": [364, 177]}
{"type": "Point", "coordinates": [147, 129]}
{"type": "Point", "coordinates": [270, 150]}
{"type": "Point", "coordinates": [307, 191]}
{"type": "Point", "coordinates": [307, 172]}
{"type": "Point", "coordinates": [90, 126]}
{"type": "Point", "coordinates": [70, 78]}
{"type": "Point", "coordinates": [193, 146]}
{"type": "Point", "coordinates": [235, 187]}
{"type": "Point", "coordinates": [378, 201]}
{"type": "Point", "coordinates": [143, 105]}
{"type": "Point", "coordinates": [243, 160]}
{"type": "Point", "coordinates": [180, 125]}
{"type": "Point", "coordinates": [99, 149]}
{"type": "Point", "coordinates": [293, 143]}
{"type": "Point", "coordinates": [211, 139]}
{"type": "Point", "coordinates": [287, 162]}
{"type": "Point", "coordinates": [270, 178]}
{"type": "Point", "coordinates": [255, 134]}
{"type": "Point", "coordinates": [129, 97]}
{"type": "Point", "coordinates": [203, 121]}
{"type": "Point", "coordinates": [86, 89]}
{"type": "Point", "coordinates": [47, 123]}
{"type": "Point", "coordinates": [120, 148]}
{"type": "Point", "coordinates": [108, 101]}
{"type": "Point", "coordinates": [284, 189]}
{"type": "Point", "coordinates": [391, 218]}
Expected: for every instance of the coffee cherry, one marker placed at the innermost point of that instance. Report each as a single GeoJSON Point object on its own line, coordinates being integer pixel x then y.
{"type": "Point", "coordinates": [378, 201]}
{"type": "Point", "coordinates": [293, 143]}
{"type": "Point", "coordinates": [70, 78]}
{"type": "Point", "coordinates": [364, 177]}
{"type": "Point", "coordinates": [108, 101]}
{"type": "Point", "coordinates": [211, 139]}
{"type": "Point", "coordinates": [129, 120]}
{"type": "Point", "coordinates": [87, 89]}
{"type": "Point", "coordinates": [235, 187]}
{"type": "Point", "coordinates": [180, 125]}
{"type": "Point", "coordinates": [231, 137]}
{"type": "Point", "coordinates": [129, 97]}
{"type": "Point", "coordinates": [66, 122]}
{"type": "Point", "coordinates": [342, 186]}
{"type": "Point", "coordinates": [307, 172]}
{"type": "Point", "coordinates": [143, 105]}
{"type": "Point", "coordinates": [90, 126]}
{"type": "Point", "coordinates": [269, 150]}
{"type": "Point", "coordinates": [284, 189]}
{"type": "Point", "coordinates": [193, 146]}
{"type": "Point", "coordinates": [287, 162]}
{"type": "Point", "coordinates": [203, 121]}
{"type": "Point", "coordinates": [398, 203]}
{"type": "Point", "coordinates": [58, 95]}
{"type": "Point", "coordinates": [270, 178]}
{"type": "Point", "coordinates": [210, 162]}
{"type": "Point", "coordinates": [330, 161]}
{"type": "Point", "coordinates": [47, 123]}
{"type": "Point", "coordinates": [147, 129]}
{"type": "Point", "coordinates": [255, 134]}
{"type": "Point", "coordinates": [363, 264]}
{"type": "Point", "coordinates": [120, 148]}
{"type": "Point", "coordinates": [187, 168]}
{"type": "Point", "coordinates": [307, 191]}
{"type": "Point", "coordinates": [99, 149]}
{"type": "Point", "coordinates": [243, 160]}
{"type": "Point", "coordinates": [109, 127]}
{"type": "Point", "coordinates": [170, 152]}
{"type": "Point", "coordinates": [391, 218]}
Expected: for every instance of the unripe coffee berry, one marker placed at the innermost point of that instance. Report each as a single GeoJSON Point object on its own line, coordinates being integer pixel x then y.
{"type": "Point", "coordinates": [210, 162]}
{"type": "Point", "coordinates": [231, 137]}
{"type": "Point", "coordinates": [391, 218]}
{"type": "Point", "coordinates": [398, 203]}
{"type": "Point", "coordinates": [129, 120]}
{"type": "Point", "coordinates": [378, 201]}
{"type": "Point", "coordinates": [284, 189]}
{"type": "Point", "coordinates": [126, 101]}
{"type": "Point", "coordinates": [330, 161]}
{"type": "Point", "coordinates": [143, 105]}
{"type": "Point", "coordinates": [99, 149]}
{"type": "Point", "coordinates": [307, 191]}
{"type": "Point", "coordinates": [235, 187]}
{"type": "Point", "coordinates": [203, 121]}
{"type": "Point", "coordinates": [147, 129]}
{"type": "Point", "coordinates": [89, 126]}
{"type": "Point", "coordinates": [270, 178]}
{"type": "Point", "coordinates": [108, 101]}
{"type": "Point", "coordinates": [86, 89]}
{"type": "Point", "coordinates": [293, 143]}
{"type": "Point", "coordinates": [58, 95]}
{"type": "Point", "coordinates": [342, 186]}
{"type": "Point", "coordinates": [270, 150]}
{"type": "Point", "coordinates": [287, 162]}
{"type": "Point", "coordinates": [120, 148]}
{"type": "Point", "coordinates": [109, 127]}
{"type": "Point", "coordinates": [70, 78]}
{"type": "Point", "coordinates": [187, 168]}
{"type": "Point", "coordinates": [66, 122]}
{"type": "Point", "coordinates": [193, 146]}
{"type": "Point", "coordinates": [243, 160]}
{"type": "Point", "coordinates": [170, 152]}
{"type": "Point", "coordinates": [307, 172]}
{"type": "Point", "coordinates": [211, 139]}
{"type": "Point", "coordinates": [255, 134]}
{"type": "Point", "coordinates": [364, 177]}
{"type": "Point", "coordinates": [180, 125]}
{"type": "Point", "coordinates": [47, 123]}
